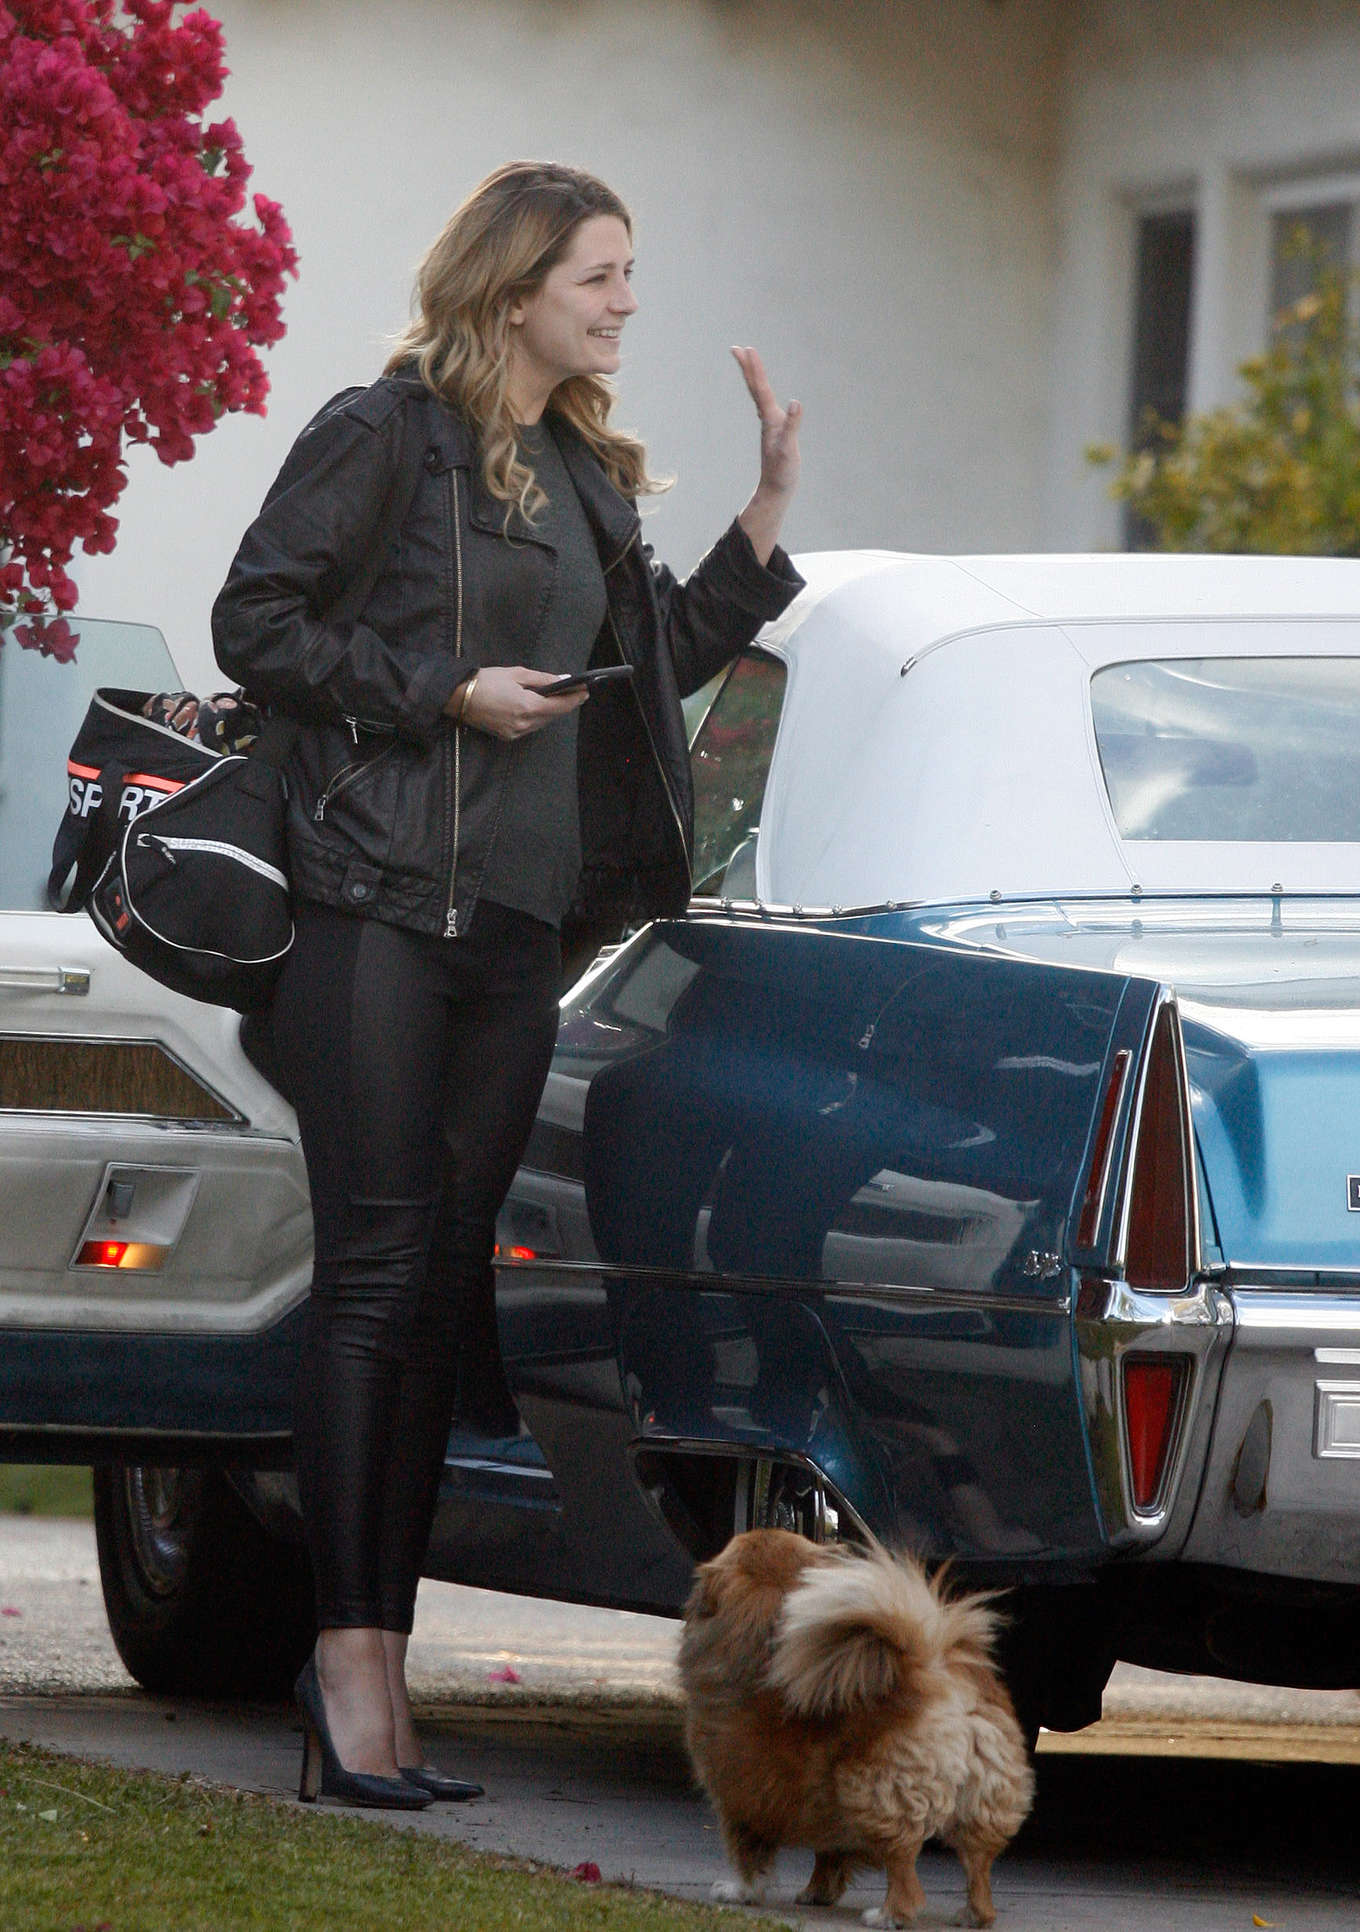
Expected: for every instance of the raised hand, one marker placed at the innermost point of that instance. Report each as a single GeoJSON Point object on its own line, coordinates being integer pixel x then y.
{"type": "Point", "coordinates": [779, 456]}
{"type": "Point", "coordinates": [779, 459]}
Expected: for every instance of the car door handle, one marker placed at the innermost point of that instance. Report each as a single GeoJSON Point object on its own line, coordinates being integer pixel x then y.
{"type": "Point", "coordinates": [45, 979]}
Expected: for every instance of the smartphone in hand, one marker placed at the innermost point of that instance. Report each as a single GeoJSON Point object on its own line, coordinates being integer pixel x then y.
{"type": "Point", "coordinates": [584, 680]}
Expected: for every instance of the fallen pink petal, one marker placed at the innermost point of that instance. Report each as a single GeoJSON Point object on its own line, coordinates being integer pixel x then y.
{"type": "Point", "coordinates": [507, 1674]}
{"type": "Point", "coordinates": [10, 1610]}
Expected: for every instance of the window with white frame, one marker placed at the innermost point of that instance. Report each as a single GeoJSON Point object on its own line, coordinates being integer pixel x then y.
{"type": "Point", "coordinates": [1311, 222]}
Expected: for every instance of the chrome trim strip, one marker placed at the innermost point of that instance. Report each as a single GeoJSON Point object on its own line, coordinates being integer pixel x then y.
{"type": "Point", "coordinates": [1247, 1277]}
{"type": "Point", "coordinates": [1136, 896]}
{"type": "Point", "coordinates": [1303, 1312]}
{"type": "Point", "coordinates": [1194, 1231]}
{"type": "Point", "coordinates": [529, 1471]}
{"type": "Point", "coordinates": [1058, 1305]}
{"type": "Point", "coordinates": [1099, 1174]}
{"type": "Point", "coordinates": [182, 1123]}
{"type": "Point", "coordinates": [140, 1431]}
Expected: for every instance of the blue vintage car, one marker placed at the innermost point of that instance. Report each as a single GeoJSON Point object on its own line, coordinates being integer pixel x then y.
{"type": "Point", "coordinates": [976, 1164]}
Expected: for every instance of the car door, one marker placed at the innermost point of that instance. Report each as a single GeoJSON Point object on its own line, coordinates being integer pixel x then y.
{"type": "Point", "coordinates": [154, 1221]}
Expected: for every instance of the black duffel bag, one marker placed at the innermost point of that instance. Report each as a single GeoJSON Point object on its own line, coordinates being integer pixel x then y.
{"type": "Point", "coordinates": [175, 837]}
{"type": "Point", "coordinates": [178, 848]}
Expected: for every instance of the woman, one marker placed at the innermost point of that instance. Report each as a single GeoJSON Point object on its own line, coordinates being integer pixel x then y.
{"type": "Point", "coordinates": [452, 824]}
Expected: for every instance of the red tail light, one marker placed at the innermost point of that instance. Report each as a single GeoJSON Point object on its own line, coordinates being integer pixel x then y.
{"type": "Point", "coordinates": [515, 1254]}
{"type": "Point", "coordinates": [1157, 1250]}
{"type": "Point", "coordinates": [1094, 1198]}
{"type": "Point", "coordinates": [1152, 1401]}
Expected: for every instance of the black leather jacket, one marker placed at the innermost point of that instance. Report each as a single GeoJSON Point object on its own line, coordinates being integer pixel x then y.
{"type": "Point", "coordinates": [392, 809]}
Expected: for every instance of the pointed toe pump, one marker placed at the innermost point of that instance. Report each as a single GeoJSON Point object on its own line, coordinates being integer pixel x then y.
{"type": "Point", "coordinates": [449, 1791]}
{"type": "Point", "coordinates": [323, 1775]}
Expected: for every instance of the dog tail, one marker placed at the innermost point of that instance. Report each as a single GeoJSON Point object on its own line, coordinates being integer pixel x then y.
{"type": "Point", "coordinates": [874, 1628]}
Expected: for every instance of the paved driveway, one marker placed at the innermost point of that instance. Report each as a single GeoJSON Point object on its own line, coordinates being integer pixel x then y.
{"type": "Point", "coordinates": [1181, 1812]}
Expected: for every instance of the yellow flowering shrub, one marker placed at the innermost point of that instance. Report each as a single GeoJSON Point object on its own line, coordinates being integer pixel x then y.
{"type": "Point", "coordinates": [1277, 471]}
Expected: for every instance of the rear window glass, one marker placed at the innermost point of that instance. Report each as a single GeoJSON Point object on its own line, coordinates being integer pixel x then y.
{"type": "Point", "coordinates": [1231, 749]}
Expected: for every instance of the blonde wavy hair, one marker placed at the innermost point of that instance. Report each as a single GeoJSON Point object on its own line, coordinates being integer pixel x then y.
{"type": "Point", "coordinates": [494, 250]}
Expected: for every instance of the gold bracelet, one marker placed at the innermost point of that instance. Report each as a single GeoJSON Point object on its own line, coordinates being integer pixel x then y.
{"type": "Point", "coordinates": [468, 690]}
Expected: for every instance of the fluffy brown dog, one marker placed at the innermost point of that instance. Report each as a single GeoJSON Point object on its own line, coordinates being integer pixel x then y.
{"type": "Point", "coordinates": [843, 1702]}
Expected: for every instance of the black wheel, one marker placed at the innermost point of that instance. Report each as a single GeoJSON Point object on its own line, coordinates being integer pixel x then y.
{"type": "Point", "coordinates": [201, 1600]}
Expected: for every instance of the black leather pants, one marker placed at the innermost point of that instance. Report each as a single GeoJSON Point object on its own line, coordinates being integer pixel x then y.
{"type": "Point", "coordinates": [416, 1065]}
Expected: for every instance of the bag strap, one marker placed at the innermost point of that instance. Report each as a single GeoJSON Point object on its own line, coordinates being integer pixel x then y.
{"type": "Point", "coordinates": [101, 835]}
{"type": "Point", "coordinates": [278, 733]}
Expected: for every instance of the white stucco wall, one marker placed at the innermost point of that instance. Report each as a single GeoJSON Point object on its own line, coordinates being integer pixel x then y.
{"type": "Point", "coordinates": [863, 188]}
{"type": "Point", "coordinates": [1215, 104]}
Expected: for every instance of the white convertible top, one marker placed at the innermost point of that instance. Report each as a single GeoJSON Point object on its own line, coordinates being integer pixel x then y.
{"type": "Point", "coordinates": [936, 742]}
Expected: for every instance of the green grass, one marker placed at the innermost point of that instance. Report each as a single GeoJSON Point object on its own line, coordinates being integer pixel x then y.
{"type": "Point", "coordinates": [120, 1851]}
{"type": "Point", "coordinates": [43, 1489]}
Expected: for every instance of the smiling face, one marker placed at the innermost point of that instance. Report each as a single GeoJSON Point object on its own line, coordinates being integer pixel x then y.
{"type": "Point", "coordinates": [570, 324]}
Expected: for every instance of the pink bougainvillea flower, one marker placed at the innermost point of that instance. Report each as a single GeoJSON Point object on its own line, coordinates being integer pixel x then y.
{"type": "Point", "coordinates": [135, 297]}
{"type": "Point", "coordinates": [53, 638]}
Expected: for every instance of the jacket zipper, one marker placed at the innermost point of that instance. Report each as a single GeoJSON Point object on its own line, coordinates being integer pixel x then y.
{"type": "Point", "coordinates": [366, 724]}
{"type": "Point", "coordinates": [344, 777]}
{"type": "Point", "coordinates": [642, 713]}
{"type": "Point", "coordinates": [451, 909]}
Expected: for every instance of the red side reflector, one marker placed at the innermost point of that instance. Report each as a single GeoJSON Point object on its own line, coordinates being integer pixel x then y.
{"type": "Point", "coordinates": [1158, 1255]}
{"type": "Point", "coordinates": [102, 1254]}
{"type": "Point", "coordinates": [1152, 1390]}
{"type": "Point", "coordinates": [1094, 1198]}
{"type": "Point", "coordinates": [143, 1257]}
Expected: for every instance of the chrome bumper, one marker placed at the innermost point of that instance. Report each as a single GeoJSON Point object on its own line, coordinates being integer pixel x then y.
{"type": "Point", "coordinates": [1281, 1488]}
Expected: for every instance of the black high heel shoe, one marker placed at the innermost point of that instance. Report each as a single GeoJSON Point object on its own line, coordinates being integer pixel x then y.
{"type": "Point", "coordinates": [324, 1776]}
{"type": "Point", "coordinates": [449, 1791]}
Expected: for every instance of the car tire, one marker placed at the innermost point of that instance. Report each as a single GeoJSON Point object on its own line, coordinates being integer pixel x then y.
{"type": "Point", "coordinates": [201, 1600]}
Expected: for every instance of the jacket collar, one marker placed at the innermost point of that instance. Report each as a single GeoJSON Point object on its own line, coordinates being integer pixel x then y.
{"type": "Point", "coordinates": [612, 518]}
